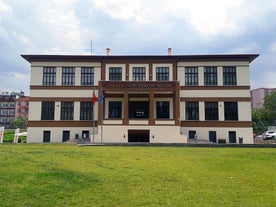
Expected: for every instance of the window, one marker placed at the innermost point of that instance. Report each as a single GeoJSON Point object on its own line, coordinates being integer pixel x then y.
{"type": "Point", "coordinates": [192, 134]}
{"type": "Point", "coordinates": [67, 111]}
{"type": "Point", "coordinates": [191, 76]}
{"type": "Point", "coordinates": [68, 76]}
{"type": "Point", "coordinates": [115, 73]}
{"type": "Point", "coordinates": [139, 74]}
{"type": "Point", "coordinates": [47, 110]}
{"type": "Point", "coordinates": [210, 76]}
{"type": "Point", "coordinates": [87, 76]}
{"type": "Point", "coordinates": [162, 74]}
{"type": "Point", "coordinates": [211, 110]}
{"type": "Point", "coordinates": [192, 111]}
{"type": "Point", "coordinates": [115, 109]}
{"type": "Point", "coordinates": [229, 76]}
{"type": "Point", "coordinates": [86, 110]}
{"type": "Point", "coordinates": [230, 111]}
{"type": "Point", "coordinates": [163, 109]}
{"type": "Point", "coordinates": [49, 76]}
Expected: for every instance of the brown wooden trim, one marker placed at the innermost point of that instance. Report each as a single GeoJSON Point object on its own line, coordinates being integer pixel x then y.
{"type": "Point", "coordinates": [40, 87]}
{"type": "Point", "coordinates": [38, 99]}
{"type": "Point", "coordinates": [174, 71]}
{"type": "Point", "coordinates": [139, 58]}
{"type": "Point", "coordinates": [222, 99]}
{"type": "Point", "coordinates": [176, 108]}
{"type": "Point", "coordinates": [61, 123]}
{"type": "Point", "coordinates": [236, 124]}
{"type": "Point", "coordinates": [151, 108]}
{"type": "Point", "coordinates": [214, 88]}
{"type": "Point", "coordinates": [103, 66]}
{"type": "Point", "coordinates": [125, 119]}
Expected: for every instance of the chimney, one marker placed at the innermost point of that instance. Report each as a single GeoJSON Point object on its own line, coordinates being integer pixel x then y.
{"type": "Point", "coordinates": [169, 51]}
{"type": "Point", "coordinates": [107, 51]}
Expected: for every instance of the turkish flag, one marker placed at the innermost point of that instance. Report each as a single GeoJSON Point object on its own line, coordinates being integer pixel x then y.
{"type": "Point", "coordinates": [94, 98]}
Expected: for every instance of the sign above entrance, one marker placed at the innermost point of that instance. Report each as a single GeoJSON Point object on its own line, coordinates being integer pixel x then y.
{"type": "Point", "coordinates": [140, 85]}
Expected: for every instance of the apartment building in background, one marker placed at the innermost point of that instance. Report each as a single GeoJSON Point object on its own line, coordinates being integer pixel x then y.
{"type": "Point", "coordinates": [8, 107]}
{"type": "Point", "coordinates": [140, 98]}
{"type": "Point", "coordinates": [257, 96]}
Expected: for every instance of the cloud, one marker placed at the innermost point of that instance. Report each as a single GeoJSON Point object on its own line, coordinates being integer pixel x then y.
{"type": "Point", "coordinates": [13, 81]}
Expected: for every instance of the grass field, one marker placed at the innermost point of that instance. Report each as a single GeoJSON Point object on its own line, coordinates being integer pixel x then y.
{"type": "Point", "coordinates": [70, 175]}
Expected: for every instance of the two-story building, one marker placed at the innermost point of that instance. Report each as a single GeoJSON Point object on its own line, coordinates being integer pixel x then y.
{"type": "Point", "coordinates": [141, 98]}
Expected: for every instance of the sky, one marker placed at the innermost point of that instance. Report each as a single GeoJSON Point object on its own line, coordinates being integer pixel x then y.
{"type": "Point", "coordinates": [136, 27]}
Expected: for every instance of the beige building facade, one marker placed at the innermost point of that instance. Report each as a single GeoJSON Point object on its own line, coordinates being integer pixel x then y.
{"type": "Point", "coordinates": [152, 99]}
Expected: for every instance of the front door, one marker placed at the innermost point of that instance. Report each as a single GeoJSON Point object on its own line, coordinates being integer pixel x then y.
{"type": "Point", "coordinates": [46, 136]}
{"type": "Point", "coordinates": [65, 136]}
{"type": "Point", "coordinates": [138, 135]}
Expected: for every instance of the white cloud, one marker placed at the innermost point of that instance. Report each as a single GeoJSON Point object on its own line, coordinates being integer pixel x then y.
{"type": "Point", "coordinates": [13, 81]}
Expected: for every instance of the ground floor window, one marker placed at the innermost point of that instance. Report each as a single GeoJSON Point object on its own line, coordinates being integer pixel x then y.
{"type": "Point", "coordinates": [86, 110]}
{"type": "Point", "coordinates": [46, 136]}
{"type": "Point", "coordinates": [163, 109]}
{"type": "Point", "coordinates": [67, 111]}
{"type": "Point", "coordinates": [232, 137]}
{"type": "Point", "coordinates": [192, 134]}
{"type": "Point", "coordinates": [211, 111]}
{"type": "Point", "coordinates": [192, 111]}
{"type": "Point", "coordinates": [230, 111]}
{"type": "Point", "coordinates": [115, 109]}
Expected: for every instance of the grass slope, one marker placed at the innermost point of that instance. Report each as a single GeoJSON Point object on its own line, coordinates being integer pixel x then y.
{"type": "Point", "coordinates": [68, 175]}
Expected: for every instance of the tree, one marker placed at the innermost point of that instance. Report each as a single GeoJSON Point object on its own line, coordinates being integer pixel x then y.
{"type": "Point", "coordinates": [270, 107]}
{"type": "Point", "coordinates": [20, 122]}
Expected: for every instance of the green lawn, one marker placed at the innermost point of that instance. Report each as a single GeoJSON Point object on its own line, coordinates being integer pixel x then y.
{"type": "Point", "coordinates": [69, 175]}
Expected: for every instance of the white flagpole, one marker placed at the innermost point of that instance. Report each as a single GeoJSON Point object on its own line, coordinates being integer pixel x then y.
{"type": "Point", "coordinates": [93, 125]}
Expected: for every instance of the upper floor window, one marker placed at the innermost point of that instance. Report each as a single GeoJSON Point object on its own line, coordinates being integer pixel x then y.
{"type": "Point", "coordinates": [139, 73]}
{"type": "Point", "coordinates": [49, 76]}
{"type": "Point", "coordinates": [68, 76]}
{"type": "Point", "coordinates": [211, 111]}
{"type": "Point", "coordinates": [67, 111]}
{"type": "Point", "coordinates": [86, 110]}
{"type": "Point", "coordinates": [115, 73]}
{"type": "Point", "coordinates": [191, 76]}
{"type": "Point", "coordinates": [192, 111]}
{"type": "Point", "coordinates": [229, 76]}
{"type": "Point", "coordinates": [115, 109]}
{"type": "Point", "coordinates": [230, 111]}
{"type": "Point", "coordinates": [47, 110]}
{"type": "Point", "coordinates": [163, 109]}
{"type": "Point", "coordinates": [210, 76]}
{"type": "Point", "coordinates": [87, 76]}
{"type": "Point", "coordinates": [162, 74]}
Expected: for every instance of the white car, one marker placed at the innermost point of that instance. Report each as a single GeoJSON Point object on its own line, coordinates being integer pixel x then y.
{"type": "Point", "coordinates": [270, 135]}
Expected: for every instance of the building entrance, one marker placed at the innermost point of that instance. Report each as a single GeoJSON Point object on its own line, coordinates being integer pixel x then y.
{"type": "Point", "coordinates": [138, 135]}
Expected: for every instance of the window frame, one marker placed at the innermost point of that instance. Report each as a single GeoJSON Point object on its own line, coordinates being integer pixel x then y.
{"type": "Point", "coordinates": [211, 111]}
{"type": "Point", "coordinates": [115, 109]}
{"type": "Point", "coordinates": [68, 76]}
{"type": "Point", "coordinates": [115, 73]}
{"type": "Point", "coordinates": [86, 110]}
{"type": "Point", "coordinates": [163, 110]}
{"type": "Point", "coordinates": [139, 73]}
{"type": "Point", "coordinates": [192, 110]}
{"type": "Point", "coordinates": [162, 73]}
{"type": "Point", "coordinates": [87, 76]}
{"type": "Point", "coordinates": [47, 110]}
{"type": "Point", "coordinates": [67, 110]}
{"type": "Point", "coordinates": [231, 111]}
{"type": "Point", "coordinates": [210, 76]}
{"type": "Point", "coordinates": [191, 76]}
{"type": "Point", "coordinates": [49, 76]}
{"type": "Point", "coordinates": [229, 75]}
